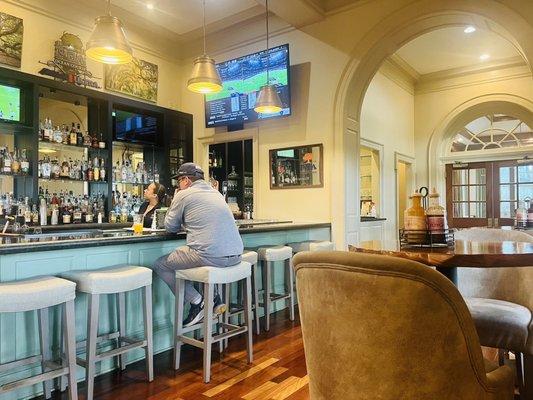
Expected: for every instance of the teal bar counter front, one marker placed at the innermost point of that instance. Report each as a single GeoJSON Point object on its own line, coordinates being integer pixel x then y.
{"type": "Point", "coordinates": [19, 336]}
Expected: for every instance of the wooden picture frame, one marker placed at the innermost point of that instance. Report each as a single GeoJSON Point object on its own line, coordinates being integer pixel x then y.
{"type": "Point", "coordinates": [297, 167]}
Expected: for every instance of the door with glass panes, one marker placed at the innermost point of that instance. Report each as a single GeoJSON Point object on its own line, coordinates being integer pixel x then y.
{"type": "Point", "coordinates": [486, 194]}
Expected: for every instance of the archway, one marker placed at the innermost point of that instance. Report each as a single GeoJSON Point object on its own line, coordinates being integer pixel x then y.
{"type": "Point", "coordinates": [366, 58]}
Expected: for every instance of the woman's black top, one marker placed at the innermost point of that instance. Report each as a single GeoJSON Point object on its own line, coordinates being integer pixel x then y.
{"type": "Point", "coordinates": [148, 218]}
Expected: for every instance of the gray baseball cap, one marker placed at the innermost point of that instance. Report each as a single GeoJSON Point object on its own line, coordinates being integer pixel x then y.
{"type": "Point", "coordinates": [189, 169]}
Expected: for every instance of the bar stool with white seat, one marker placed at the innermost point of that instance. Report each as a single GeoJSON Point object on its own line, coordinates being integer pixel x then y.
{"type": "Point", "coordinates": [237, 310]}
{"type": "Point", "coordinates": [268, 255]}
{"type": "Point", "coordinates": [210, 277]}
{"type": "Point", "coordinates": [39, 294]}
{"type": "Point", "coordinates": [115, 280]}
{"type": "Point", "coordinates": [312, 245]}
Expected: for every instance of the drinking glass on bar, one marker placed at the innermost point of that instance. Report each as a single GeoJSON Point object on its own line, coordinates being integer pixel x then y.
{"type": "Point", "coordinates": [138, 224]}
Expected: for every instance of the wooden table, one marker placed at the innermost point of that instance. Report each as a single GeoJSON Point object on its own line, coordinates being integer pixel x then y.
{"type": "Point", "coordinates": [464, 254]}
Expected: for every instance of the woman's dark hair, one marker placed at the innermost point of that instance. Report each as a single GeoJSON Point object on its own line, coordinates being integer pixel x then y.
{"type": "Point", "coordinates": [161, 192]}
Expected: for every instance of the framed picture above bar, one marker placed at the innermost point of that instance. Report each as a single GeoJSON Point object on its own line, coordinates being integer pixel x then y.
{"type": "Point", "coordinates": [138, 78]}
{"type": "Point", "coordinates": [297, 167]}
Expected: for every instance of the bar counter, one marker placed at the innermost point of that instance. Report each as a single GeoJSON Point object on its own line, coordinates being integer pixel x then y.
{"type": "Point", "coordinates": [55, 252]}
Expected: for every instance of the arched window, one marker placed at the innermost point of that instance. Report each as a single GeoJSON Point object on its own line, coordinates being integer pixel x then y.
{"type": "Point", "coordinates": [494, 131]}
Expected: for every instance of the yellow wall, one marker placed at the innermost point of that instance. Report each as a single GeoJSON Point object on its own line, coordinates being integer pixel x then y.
{"type": "Point", "coordinates": [42, 29]}
{"type": "Point", "coordinates": [315, 72]}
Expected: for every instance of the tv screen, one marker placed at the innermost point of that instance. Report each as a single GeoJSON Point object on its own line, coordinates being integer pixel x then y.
{"type": "Point", "coordinates": [242, 79]}
{"type": "Point", "coordinates": [135, 127]}
{"type": "Point", "coordinates": [9, 103]}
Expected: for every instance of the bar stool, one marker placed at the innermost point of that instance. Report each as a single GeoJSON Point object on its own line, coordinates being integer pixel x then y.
{"type": "Point", "coordinates": [211, 276]}
{"type": "Point", "coordinates": [115, 280]}
{"type": "Point", "coordinates": [39, 294]}
{"type": "Point", "coordinates": [267, 257]}
{"type": "Point", "coordinates": [312, 245]}
{"type": "Point", "coordinates": [237, 310]}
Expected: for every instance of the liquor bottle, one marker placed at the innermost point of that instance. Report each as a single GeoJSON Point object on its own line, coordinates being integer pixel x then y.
{"type": "Point", "coordinates": [41, 130]}
{"type": "Point", "coordinates": [521, 214]}
{"type": "Point", "coordinates": [58, 135]}
{"type": "Point", "coordinates": [43, 213]}
{"type": "Point", "coordinates": [54, 218]}
{"type": "Point", "coordinates": [101, 143]}
{"type": "Point", "coordinates": [87, 140]}
{"type": "Point", "coordinates": [66, 218]}
{"type": "Point", "coordinates": [24, 163]}
{"type": "Point", "coordinates": [15, 164]}
{"type": "Point", "coordinates": [73, 136]}
{"type": "Point", "coordinates": [156, 175]}
{"type": "Point", "coordinates": [90, 172]}
{"type": "Point", "coordinates": [415, 220]}
{"type": "Point", "coordinates": [65, 134]}
{"type": "Point", "coordinates": [96, 169]}
{"type": "Point", "coordinates": [214, 162]}
{"type": "Point", "coordinates": [102, 170]}
{"type": "Point", "coordinates": [76, 214]}
{"type": "Point", "coordinates": [7, 162]}
{"type": "Point", "coordinates": [436, 219]}
{"type": "Point", "coordinates": [34, 215]}
{"type": "Point", "coordinates": [94, 142]}
{"type": "Point", "coordinates": [79, 136]}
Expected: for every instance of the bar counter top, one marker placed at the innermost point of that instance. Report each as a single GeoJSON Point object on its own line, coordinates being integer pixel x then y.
{"type": "Point", "coordinates": [85, 236]}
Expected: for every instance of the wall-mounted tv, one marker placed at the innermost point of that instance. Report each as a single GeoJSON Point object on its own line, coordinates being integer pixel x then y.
{"type": "Point", "coordinates": [9, 103]}
{"type": "Point", "coordinates": [136, 127]}
{"type": "Point", "coordinates": [242, 79]}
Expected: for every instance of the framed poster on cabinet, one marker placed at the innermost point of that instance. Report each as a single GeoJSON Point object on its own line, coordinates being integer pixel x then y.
{"type": "Point", "coordinates": [297, 167]}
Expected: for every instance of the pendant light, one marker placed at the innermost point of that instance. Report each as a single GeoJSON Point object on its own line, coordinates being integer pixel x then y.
{"type": "Point", "coordinates": [204, 77]}
{"type": "Point", "coordinates": [108, 43]}
{"type": "Point", "coordinates": [268, 101]}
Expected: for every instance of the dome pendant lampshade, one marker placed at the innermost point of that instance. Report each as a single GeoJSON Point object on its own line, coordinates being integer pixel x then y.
{"type": "Point", "coordinates": [108, 43]}
{"type": "Point", "coordinates": [268, 101]}
{"type": "Point", "coordinates": [204, 77]}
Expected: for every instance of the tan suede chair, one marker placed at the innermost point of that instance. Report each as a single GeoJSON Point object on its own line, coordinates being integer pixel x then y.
{"type": "Point", "coordinates": [501, 303]}
{"type": "Point", "coordinates": [379, 327]}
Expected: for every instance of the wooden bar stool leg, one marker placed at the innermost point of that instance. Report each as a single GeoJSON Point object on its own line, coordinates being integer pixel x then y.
{"type": "Point", "coordinates": [148, 332]}
{"type": "Point", "coordinates": [267, 277]}
{"type": "Point", "coordinates": [247, 302]}
{"type": "Point", "coordinates": [92, 335]}
{"type": "Point", "coordinates": [289, 279]}
{"type": "Point", "coordinates": [208, 328]}
{"type": "Point", "coordinates": [121, 300]}
{"type": "Point", "coordinates": [69, 335]}
{"type": "Point", "coordinates": [178, 320]}
{"type": "Point", "coordinates": [44, 337]}
{"type": "Point", "coordinates": [256, 299]}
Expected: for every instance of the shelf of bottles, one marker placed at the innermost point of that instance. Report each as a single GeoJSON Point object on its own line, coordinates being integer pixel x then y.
{"type": "Point", "coordinates": [130, 175]}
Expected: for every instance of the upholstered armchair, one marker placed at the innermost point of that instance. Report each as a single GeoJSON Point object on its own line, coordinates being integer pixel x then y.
{"type": "Point", "coordinates": [501, 303]}
{"type": "Point", "coordinates": [379, 327]}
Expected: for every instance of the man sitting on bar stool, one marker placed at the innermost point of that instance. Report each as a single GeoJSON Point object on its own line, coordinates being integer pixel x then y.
{"type": "Point", "coordinates": [213, 238]}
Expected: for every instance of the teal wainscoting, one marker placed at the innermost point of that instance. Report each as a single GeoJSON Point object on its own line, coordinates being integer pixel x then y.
{"type": "Point", "coordinates": [19, 334]}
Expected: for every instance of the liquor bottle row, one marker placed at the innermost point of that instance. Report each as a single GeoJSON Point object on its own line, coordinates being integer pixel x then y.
{"type": "Point", "coordinates": [82, 170]}
{"type": "Point", "coordinates": [72, 136]}
{"type": "Point", "coordinates": [53, 209]}
{"type": "Point", "coordinates": [524, 214]}
{"type": "Point", "coordinates": [214, 161]}
{"type": "Point", "coordinates": [124, 206]}
{"type": "Point", "coordinates": [14, 163]}
{"type": "Point", "coordinates": [141, 174]}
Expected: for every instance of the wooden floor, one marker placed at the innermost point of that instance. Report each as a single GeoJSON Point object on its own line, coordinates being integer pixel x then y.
{"type": "Point", "coordinates": [278, 372]}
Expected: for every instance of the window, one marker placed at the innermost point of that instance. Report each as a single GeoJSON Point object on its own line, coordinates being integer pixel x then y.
{"type": "Point", "coordinates": [494, 131]}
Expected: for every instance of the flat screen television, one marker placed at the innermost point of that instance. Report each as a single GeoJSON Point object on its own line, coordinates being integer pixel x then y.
{"type": "Point", "coordinates": [242, 79]}
{"type": "Point", "coordinates": [135, 127]}
{"type": "Point", "coordinates": [9, 103]}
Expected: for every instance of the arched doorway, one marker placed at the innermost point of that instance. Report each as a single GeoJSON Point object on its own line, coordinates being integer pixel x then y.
{"type": "Point", "coordinates": [368, 55]}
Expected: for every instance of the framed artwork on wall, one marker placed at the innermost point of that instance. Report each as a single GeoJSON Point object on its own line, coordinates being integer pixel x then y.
{"type": "Point", "coordinates": [297, 167]}
{"type": "Point", "coordinates": [138, 78]}
{"type": "Point", "coordinates": [11, 33]}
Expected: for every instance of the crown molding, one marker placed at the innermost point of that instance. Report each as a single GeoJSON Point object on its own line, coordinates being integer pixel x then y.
{"type": "Point", "coordinates": [496, 65]}
{"type": "Point", "coordinates": [404, 66]}
{"type": "Point", "coordinates": [398, 75]}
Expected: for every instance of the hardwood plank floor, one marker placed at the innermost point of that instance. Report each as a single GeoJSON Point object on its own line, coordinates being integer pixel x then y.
{"type": "Point", "coordinates": [277, 373]}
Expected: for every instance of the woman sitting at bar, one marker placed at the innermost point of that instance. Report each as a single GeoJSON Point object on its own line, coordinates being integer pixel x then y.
{"type": "Point", "coordinates": [154, 195]}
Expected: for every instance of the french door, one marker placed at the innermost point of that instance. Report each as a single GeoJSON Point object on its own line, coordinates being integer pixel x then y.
{"type": "Point", "coordinates": [486, 193]}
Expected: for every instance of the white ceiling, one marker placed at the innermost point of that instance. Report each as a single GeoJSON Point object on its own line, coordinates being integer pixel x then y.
{"type": "Point", "coordinates": [450, 48]}
{"type": "Point", "coordinates": [183, 16]}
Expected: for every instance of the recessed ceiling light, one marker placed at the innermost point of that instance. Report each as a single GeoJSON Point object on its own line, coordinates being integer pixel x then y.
{"type": "Point", "coordinates": [484, 57]}
{"type": "Point", "coordinates": [149, 6]}
{"type": "Point", "coordinates": [469, 29]}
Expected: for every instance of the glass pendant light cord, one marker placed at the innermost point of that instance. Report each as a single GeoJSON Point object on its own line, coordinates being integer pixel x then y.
{"type": "Point", "coordinates": [108, 7]}
{"type": "Point", "coordinates": [205, 52]}
{"type": "Point", "coordinates": [267, 49]}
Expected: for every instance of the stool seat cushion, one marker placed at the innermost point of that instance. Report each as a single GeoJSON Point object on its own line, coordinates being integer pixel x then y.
{"type": "Point", "coordinates": [249, 256]}
{"type": "Point", "coordinates": [274, 253]}
{"type": "Point", "coordinates": [115, 279]}
{"type": "Point", "coordinates": [500, 324]}
{"type": "Point", "coordinates": [312, 245]}
{"type": "Point", "coordinates": [216, 274]}
{"type": "Point", "coordinates": [35, 293]}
